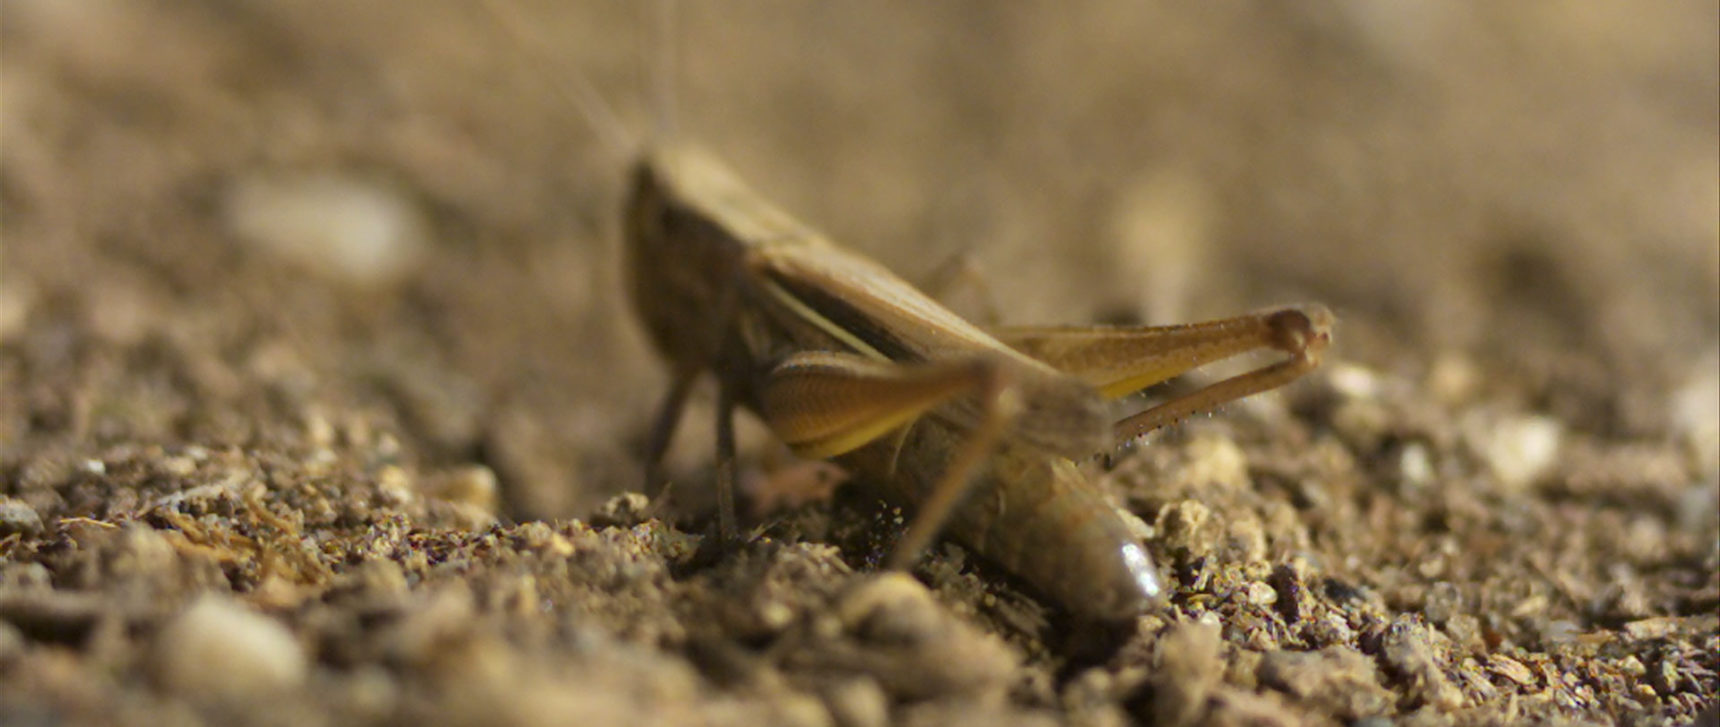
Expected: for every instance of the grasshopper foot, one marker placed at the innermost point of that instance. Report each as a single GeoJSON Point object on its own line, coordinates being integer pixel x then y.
{"type": "Point", "coordinates": [713, 548]}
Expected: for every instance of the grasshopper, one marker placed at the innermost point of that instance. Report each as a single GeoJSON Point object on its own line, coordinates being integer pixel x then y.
{"type": "Point", "coordinates": [975, 430]}
{"type": "Point", "coordinates": [843, 359]}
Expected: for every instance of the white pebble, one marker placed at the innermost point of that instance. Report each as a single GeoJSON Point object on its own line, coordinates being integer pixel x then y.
{"type": "Point", "coordinates": [1517, 449]}
{"type": "Point", "coordinates": [17, 298]}
{"type": "Point", "coordinates": [1261, 594]}
{"type": "Point", "coordinates": [473, 485]}
{"type": "Point", "coordinates": [1695, 411]}
{"type": "Point", "coordinates": [219, 648]}
{"type": "Point", "coordinates": [336, 225]}
{"type": "Point", "coordinates": [1415, 466]}
{"type": "Point", "coordinates": [858, 702]}
{"type": "Point", "coordinates": [1354, 381]}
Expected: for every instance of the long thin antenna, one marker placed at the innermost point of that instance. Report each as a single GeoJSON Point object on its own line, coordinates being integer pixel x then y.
{"type": "Point", "coordinates": [581, 95]}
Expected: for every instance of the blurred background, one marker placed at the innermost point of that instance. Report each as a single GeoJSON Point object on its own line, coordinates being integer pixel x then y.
{"type": "Point", "coordinates": [262, 223]}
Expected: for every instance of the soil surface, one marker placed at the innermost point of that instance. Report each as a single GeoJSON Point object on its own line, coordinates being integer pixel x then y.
{"type": "Point", "coordinates": [320, 399]}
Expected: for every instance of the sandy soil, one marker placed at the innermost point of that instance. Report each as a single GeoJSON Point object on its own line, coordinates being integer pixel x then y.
{"type": "Point", "coordinates": [318, 396]}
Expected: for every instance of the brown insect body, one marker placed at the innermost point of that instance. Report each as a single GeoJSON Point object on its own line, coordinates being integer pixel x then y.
{"type": "Point", "coordinates": [737, 301]}
{"type": "Point", "coordinates": [1037, 516]}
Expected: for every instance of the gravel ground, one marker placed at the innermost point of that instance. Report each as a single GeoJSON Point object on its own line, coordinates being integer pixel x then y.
{"type": "Point", "coordinates": [320, 401]}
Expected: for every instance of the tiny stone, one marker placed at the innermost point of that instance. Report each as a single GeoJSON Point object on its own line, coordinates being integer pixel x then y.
{"type": "Point", "coordinates": [368, 692]}
{"type": "Point", "coordinates": [178, 466]}
{"type": "Point", "coordinates": [1407, 650]}
{"type": "Point", "coordinates": [17, 297]}
{"type": "Point", "coordinates": [774, 615]}
{"type": "Point", "coordinates": [395, 485]}
{"type": "Point", "coordinates": [16, 517]}
{"type": "Point", "coordinates": [1354, 381]}
{"type": "Point", "coordinates": [892, 603]}
{"type": "Point", "coordinates": [142, 550]}
{"type": "Point", "coordinates": [219, 648]}
{"type": "Point", "coordinates": [1516, 448]}
{"type": "Point", "coordinates": [858, 702]}
{"type": "Point", "coordinates": [1534, 605]}
{"type": "Point", "coordinates": [1632, 666]}
{"type": "Point", "coordinates": [340, 226]}
{"type": "Point", "coordinates": [1415, 466]}
{"type": "Point", "coordinates": [1183, 525]}
{"type": "Point", "coordinates": [625, 510]}
{"type": "Point", "coordinates": [920, 650]}
{"type": "Point", "coordinates": [1190, 666]}
{"type": "Point", "coordinates": [1507, 668]}
{"type": "Point", "coordinates": [1443, 602]}
{"type": "Point", "coordinates": [1362, 423]}
{"type": "Point", "coordinates": [795, 709]}
{"type": "Point", "coordinates": [1650, 628]}
{"type": "Point", "coordinates": [1694, 410]}
{"type": "Point", "coordinates": [1453, 378]}
{"type": "Point", "coordinates": [318, 430]}
{"type": "Point", "coordinates": [472, 485]}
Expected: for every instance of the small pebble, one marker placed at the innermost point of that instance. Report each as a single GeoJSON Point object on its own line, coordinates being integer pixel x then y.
{"type": "Point", "coordinates": [319, 431]}
{"type": "Point", "coordinates": [141, 551]}
{"type": "Point", "coordinates": [858, 702]}
{"type": "Point", "coordinates": [1453, 379]}
{"type": "Point", "coordinates": [219, 648]}
{"type": "Point", "coordinates": [793, 709]}
{"type": "Point", "coordinates": [16, 517]}
{"type": "Point", "coordinates": [774, 615]}
{"type": "Point", "coordinates": [1415, 466]}
{"type": "Point", "coordinates": [1341, 680]}
{"type": "Point", "coordinates": [1261, 594]}
{"type": "Point", "coordinates": [626, 509]}
{"type": "Point", "coordinates": [916, 649]}
{"type": "Point", "coordinates": [17, 298]}
{"type": "Point", "coordinates": [395, 485]}
{"type": "Point", "coordinates": [1406, 650]}
{"type": "Point", "coordinates": [178, 466]}
{"type": "Point", "coordinates": [1190, 667]}
{"type": "Point", "coordinates": [473, 485]}
{"type": "Point", "coordinates": [1694, 409]}
{"type": "Point", "coordinates": [1185, 524]}
{"type": "Point", "coordinates": [1362, 423]}
{"type": "Point", "coordinates": [1354, 381]}
{"type": "Point", "coordinates": [1511, 670]}
{"type": "Point", "coordinates": [891, 607]}
{"type": "Point", "coordinates": [1517, 449]}
{"type": "Point", "coordinates": [334, 224]}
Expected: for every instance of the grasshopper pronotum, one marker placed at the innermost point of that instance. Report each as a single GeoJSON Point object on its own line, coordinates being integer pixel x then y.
{"type": "Point", "coordinates": [844, 360]}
